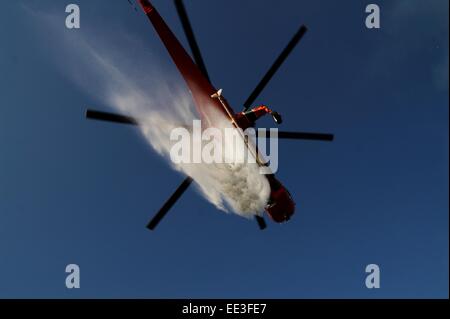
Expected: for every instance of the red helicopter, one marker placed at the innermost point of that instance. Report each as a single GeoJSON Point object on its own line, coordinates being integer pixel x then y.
{"type": "Point", "coordinates": [280, 206]}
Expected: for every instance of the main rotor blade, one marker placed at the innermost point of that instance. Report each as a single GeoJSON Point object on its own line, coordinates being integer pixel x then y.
{"type": "Point", "coordinates": [306, 136]}
{"type": "Point", "coordinates": [110, 117]}
{"type": "Point", "coordinates": [275, 66]}
{"type": "Point", "coordinates": [169, 203]}
{"type": "Point", "coordinates": [261, 222]}
{"type": "Point", "coordinates": [181, 9]}
{"type": "Point", "coordinates": [303, 136]}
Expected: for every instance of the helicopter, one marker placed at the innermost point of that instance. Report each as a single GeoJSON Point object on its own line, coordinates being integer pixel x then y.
{"type": "Point", "coordinates": [280, 206]}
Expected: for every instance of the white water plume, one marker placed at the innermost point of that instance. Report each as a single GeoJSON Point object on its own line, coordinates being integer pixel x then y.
{"type": "Point", "coordinates": [130, 80]}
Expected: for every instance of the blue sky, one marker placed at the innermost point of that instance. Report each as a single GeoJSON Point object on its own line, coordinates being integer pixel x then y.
{"type": "Point", "coordinates": [77, 191]}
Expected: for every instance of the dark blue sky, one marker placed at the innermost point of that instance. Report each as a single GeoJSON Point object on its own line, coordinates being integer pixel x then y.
{"type": "Point", "coordinates": [77, 191]}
